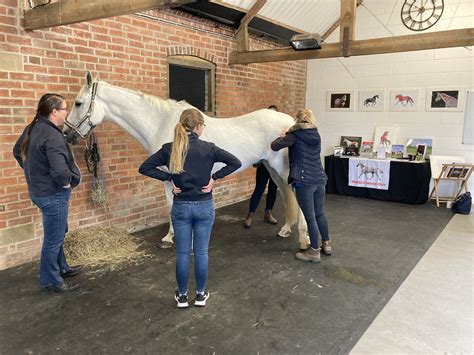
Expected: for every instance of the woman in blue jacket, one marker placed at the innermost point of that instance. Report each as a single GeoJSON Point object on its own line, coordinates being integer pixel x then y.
{"type": "Point", "coordinates": [51, 173]}
{"type": "Point", "coordinates": [308, 180]}
{"type": "Point", "coordinates": [190, 162]}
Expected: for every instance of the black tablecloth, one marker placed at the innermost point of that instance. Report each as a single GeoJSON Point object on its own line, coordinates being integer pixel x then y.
{"type": "Point", "coordinates": [409, 182]}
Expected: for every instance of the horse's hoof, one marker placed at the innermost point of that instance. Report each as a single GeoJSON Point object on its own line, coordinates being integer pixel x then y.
{"type": "Point", "coordinates": [165, 245]}
{"type": "Point", "coordinates": [284, 234]}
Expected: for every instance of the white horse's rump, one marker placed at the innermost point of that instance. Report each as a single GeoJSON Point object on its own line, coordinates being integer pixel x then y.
{"type": "Point", "coordinates": [151, 121]}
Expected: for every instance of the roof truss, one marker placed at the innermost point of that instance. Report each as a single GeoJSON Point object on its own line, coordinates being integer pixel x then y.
{"type": "Point", "coordinates": [66, 12]}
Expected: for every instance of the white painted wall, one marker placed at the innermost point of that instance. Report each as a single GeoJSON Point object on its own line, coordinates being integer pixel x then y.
{"type": "Point", "coordinates": [451, 67]}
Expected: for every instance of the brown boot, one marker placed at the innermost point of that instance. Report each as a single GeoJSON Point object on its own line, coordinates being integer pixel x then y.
{"type": "Point", "coordinates": [310, 255]}
{"type": "Point", "coordinates": [248, 220]}
{"type": "Point", "coordinates": [268, 217]}
{"type": "Point", "coordinates": [326, 246]}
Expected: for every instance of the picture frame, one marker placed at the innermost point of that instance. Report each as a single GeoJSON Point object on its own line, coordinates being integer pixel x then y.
{"type": "Point", "coordinates": [412, 143]}
{"type": "Point", "coordinates": [340, 101]}
{"type": "Point", "coordinates": [397, 151]}
{"type": "Point", "coordinates": [421, 150]}
{"type": "Point", "coordinates": [386, 136]}
{"type": "Point", "coordinates": [371, 100]}
{"type": "Point", "coordinates": [458, 172]}
{"type": "Point", "coordinates": [351, 145]}
{"type": "Point", "coordinates": [445, 99]}
{"type": "Point", "coordinates": [404, 100]}
{"type": "Point", "coordinates": [338, 151]}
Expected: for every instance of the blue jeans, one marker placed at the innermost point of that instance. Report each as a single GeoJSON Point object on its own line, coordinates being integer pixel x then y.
{"type": "Point", "coordinates": [262, 177]}
{"type": "Point", "coordinates": [311, 201]}
{"type": "Point", "coordinates": [54, 210]}
{"type": "Point", "coordinates": [192, 223]}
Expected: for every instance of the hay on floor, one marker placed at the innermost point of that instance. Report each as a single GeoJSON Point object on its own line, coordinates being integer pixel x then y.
{"type": "Point", "coordinates": [102, 247]}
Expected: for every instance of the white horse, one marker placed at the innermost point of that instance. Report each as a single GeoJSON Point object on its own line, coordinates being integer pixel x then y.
{"type": "Point", "coordinates": [151, 121]}
{"type": "Point", "coordinates": [366, 170]}
{"type": "Point", "coordinates": [349, 143]}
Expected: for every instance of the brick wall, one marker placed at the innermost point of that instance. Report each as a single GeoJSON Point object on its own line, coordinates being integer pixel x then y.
{"type": "Point", "coordinates": [129, 51]}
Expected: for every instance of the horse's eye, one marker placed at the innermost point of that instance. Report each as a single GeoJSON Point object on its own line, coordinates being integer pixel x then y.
{"type": "Point", "coordinates": [78, 103]}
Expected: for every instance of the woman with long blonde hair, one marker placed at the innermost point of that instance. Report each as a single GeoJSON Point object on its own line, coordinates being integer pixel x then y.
{"type": "Point", "coordinates": [308, 179]}
{"type": "Point", "coordinates": [190, 161]}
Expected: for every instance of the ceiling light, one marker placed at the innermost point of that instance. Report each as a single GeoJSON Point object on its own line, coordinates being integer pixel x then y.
{"type": "Point", "coordinates": [306, 41]}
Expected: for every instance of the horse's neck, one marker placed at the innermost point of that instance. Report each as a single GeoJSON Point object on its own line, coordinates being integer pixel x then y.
{"type": "Point", "coordinates": [137, 115]}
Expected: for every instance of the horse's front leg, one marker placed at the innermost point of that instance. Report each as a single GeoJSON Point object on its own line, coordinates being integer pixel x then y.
{"type": "Point", "coordinates": [168, 238]}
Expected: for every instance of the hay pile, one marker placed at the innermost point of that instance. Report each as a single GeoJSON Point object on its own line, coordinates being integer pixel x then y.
{"type": "Point", "coordinates": [108, 248]}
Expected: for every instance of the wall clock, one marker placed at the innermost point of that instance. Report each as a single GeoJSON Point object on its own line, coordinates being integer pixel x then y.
{"type": "Point", "coordinates": [419, 15]}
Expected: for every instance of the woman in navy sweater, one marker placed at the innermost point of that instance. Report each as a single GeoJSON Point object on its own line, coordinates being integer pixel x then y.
{"type": "Point", "coordinates": [308, 178]}
{"type": "Point", "coordinates": [190, 162]}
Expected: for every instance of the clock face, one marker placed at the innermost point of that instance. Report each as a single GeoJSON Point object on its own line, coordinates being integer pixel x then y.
{"type": "Point", "coordinates": [419, 15]}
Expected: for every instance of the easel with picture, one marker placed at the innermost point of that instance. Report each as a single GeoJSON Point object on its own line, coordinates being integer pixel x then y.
{"type": "Point", "coordinates": [458, 172]}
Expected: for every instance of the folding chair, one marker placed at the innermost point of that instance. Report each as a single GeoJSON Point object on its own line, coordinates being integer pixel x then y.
{"type": "Point", "coordinates": [458, 172]}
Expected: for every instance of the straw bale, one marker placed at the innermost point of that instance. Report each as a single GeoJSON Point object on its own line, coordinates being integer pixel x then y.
{"type": "Point", "coordinates": [108, 248]}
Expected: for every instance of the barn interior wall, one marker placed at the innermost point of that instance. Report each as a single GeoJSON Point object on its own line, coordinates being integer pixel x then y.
{"type": "Point", "coordinates": [128, 51]}
{"type": "Point", "coordinates": [420, 70]}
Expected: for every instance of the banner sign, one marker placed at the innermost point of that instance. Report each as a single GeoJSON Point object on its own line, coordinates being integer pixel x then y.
{"type": "Point", "coordinates": [370, 173]}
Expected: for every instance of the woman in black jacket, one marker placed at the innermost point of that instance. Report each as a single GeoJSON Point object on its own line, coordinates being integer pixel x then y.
{"type": "Point", "coordinates": [51, 173]}
{"type": "Point", "coordinates": [190, 162]}
{"type": "Point", "coordinates": [308, 178]}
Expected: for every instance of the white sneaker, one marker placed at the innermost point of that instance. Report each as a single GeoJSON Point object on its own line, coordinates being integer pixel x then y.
{"type": "Point", "coordinates": [201, 298]}
{"type": "Point", "coordinates": [181, 300]}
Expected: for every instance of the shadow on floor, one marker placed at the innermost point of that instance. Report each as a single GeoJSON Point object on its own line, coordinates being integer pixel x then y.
{"type": "Point", "coordinates": [262, 299]}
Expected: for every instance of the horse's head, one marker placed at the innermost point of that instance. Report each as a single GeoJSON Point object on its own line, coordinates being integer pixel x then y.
{"type": "Point", "coordinates": [85, 114]}
{"type": "Point", "coordinates": [359, 165]}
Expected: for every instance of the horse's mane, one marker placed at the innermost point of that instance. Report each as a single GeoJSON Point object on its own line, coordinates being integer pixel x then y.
{"type": "Point", "coordinates": [167, 106]}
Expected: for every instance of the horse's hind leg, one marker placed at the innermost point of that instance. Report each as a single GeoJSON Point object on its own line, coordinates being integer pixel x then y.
{"type": "Point", "coordinates": [291, 207]}
{"type": "Point", "coordinates": [291, 210]}
{"type": "Point", "coordinates": [168, 238]}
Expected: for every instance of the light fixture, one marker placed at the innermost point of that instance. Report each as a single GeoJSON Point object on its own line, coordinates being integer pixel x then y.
{"type": "Point", "coordinates": [306, 41]}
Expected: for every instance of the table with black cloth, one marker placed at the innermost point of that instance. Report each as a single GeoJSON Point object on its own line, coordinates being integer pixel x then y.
{"type": "Point", "coordinates": [409, 181]}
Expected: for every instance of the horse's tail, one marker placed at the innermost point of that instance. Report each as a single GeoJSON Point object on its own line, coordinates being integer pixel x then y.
{"type": "Point", "coordinates": [291, 206]}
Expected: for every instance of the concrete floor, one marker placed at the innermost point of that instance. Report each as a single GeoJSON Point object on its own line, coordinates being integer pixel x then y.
{"type": "Point", "coordinates": [432, 311]}
{"type": "Point", "coordinates": [262, 299]}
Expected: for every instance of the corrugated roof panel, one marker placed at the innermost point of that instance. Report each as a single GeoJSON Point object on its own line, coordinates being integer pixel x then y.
{"type": "Point", "coordinates": [314, 16]}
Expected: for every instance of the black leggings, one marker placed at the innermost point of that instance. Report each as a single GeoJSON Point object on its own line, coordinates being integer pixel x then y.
{"type": "Point", "coordinates": [261, 178]}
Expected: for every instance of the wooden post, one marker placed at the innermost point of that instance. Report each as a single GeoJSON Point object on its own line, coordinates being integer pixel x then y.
{"type": "Point", "coordinates": [347, 24]}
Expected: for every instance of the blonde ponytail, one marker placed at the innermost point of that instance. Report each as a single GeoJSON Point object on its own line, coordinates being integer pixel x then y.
{"type": "Point", "coordinates": [188, 120]}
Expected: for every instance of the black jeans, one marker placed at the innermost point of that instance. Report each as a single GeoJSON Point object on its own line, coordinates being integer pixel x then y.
{"type": "Point", "coordinates": [261, 178]}
{"type": "Point", "coordinates": [311, 201]}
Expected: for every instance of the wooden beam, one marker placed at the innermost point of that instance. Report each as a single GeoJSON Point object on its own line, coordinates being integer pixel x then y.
{"type": "Point", "coordinates": [252, 12]}
{"type": "Point", "coordinates": [66, 12]}
{"type": "Point", "coordinates": [335, 25]}
{"type": "Point", "coordinates": [242, 33]}
{"type": "Point", "coordinates": [432, 40]}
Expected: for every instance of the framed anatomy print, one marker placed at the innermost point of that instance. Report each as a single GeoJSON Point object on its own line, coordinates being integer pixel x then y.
{"type": "Point", "coordinates": [371, 100]}
{"type": "Point", "coordinates": [404, 100]}
{"type": "Point", "coordinates": [342, 100]}
{"type": "Point", "coordinates": [447, 99]}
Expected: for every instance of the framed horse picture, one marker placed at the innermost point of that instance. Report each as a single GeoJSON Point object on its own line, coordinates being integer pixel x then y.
{"type": "Point", "coordinates": [384, 137]}
{"type": "Point", "coordinates": [445, 99]}
{"type": "Point", "coordinates": [371, 100]}
{"type": "Point", "coordinates": [404, 100]}
{"type": "Point", "coordinates": [342, 100]}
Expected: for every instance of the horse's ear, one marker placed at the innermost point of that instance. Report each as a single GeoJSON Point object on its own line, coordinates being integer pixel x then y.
{"type": "Point", "coordinates": [89, 78]}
